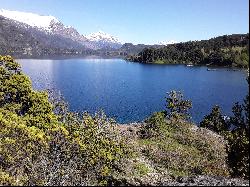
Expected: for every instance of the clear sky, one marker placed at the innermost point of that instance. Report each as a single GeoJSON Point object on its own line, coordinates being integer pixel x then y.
{"type": "Point", "coordinates": [145, 21]}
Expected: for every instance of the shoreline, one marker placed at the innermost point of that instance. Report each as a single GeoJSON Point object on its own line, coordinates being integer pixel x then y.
{"type": "Point", "coordinates": [193, 65]}
{"type": "Point", "coordinates": [67, 57]}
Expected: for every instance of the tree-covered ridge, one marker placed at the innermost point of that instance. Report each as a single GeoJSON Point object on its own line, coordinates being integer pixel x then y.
{"type": "Point", "coordinates": [227, 50]}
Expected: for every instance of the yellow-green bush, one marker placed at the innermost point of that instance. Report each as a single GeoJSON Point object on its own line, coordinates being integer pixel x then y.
{"type": "Point", "coordinates": [38, 149]}
{"type": "Point", "coordinates": [19, 146]}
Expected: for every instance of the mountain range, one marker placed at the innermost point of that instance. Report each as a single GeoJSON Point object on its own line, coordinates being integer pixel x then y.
{"type": "Point", "coordinates": [29, 34]}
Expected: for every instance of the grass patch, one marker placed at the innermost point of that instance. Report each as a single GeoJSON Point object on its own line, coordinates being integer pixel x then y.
{"type": "Point", "coordinates": [141, 169]}
{"type": "Point", "coordinates": [159, 62]}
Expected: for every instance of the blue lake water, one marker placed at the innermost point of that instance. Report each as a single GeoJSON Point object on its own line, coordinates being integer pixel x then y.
{"type": "Point", "coordinates": [130, 92]}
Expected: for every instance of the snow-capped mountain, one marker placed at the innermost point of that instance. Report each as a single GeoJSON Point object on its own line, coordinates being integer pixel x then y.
{"type": "Point", "coordinates": [22, 40]}
{"type": "Point", "coordinates": [48, 24]}
{"type": "Point", "coordinates": [52, 25]}
{"type": "Point", "coordinates": [33, 20]}
{"type": "Point", "coordinates": [104, 40]}
{"type": "Point", "coordinates": [167, 42]}
{"type": "Point", "coordinates": [102, 36]}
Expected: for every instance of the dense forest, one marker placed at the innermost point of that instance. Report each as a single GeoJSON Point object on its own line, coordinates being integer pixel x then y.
{"type": "Point", "coordinates": [227, 50]}
{"type": "Point", "coordinates": [43, 143]}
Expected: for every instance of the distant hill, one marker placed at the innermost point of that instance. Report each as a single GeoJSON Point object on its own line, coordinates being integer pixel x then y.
{"type": "Point", "coordinates": [227, 50]}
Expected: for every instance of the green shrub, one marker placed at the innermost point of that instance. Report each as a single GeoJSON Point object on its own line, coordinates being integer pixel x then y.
{"type": "Point", "coordinates": [41, 147]}
{"type": "Point", "coordinates": [236, 132]}
{"type": "Point", "coordinates": [141, 169]}
{"type": "Point", "coordinates": [215, 121]}
{"type": "Point", "coordinates": [238, 138]}
{"type": "Point", "coordinates": [176, 107]}
{"type": "Point", "coordinates": [154, 125]}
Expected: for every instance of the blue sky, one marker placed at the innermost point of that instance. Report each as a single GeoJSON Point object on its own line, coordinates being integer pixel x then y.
{"type": "Point", "coordinates": [145, 21]}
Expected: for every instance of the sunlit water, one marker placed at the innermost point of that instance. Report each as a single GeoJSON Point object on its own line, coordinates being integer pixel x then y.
{"type": "Point", "coordinates": [130, 92]}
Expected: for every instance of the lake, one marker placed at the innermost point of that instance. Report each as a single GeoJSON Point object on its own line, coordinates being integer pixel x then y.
{"type": "Point", "coordinates": [130, 92]}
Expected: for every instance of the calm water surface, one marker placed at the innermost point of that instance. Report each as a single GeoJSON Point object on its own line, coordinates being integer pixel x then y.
{"type": "Point", "coordinates": [130, 91]}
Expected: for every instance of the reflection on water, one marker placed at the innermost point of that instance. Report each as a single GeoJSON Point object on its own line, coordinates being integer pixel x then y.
{"type": "Point", "coordinates": [131, 91]}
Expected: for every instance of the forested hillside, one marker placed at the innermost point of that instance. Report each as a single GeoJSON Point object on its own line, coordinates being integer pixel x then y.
{"type": "Point", "coordinates": [227, 50]}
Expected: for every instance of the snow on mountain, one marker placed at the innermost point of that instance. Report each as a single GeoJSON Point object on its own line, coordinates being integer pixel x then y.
{"type": "Point", "coordinates": [167, 42]}
{"type": "Point", "coordinates": [47, 24]}
{"type": "Point", "coordinates": [51, 25]}
{"type": "Point", "coordinates": [102, 36]}
{"type": "Point", "coordinates": [34, 20]}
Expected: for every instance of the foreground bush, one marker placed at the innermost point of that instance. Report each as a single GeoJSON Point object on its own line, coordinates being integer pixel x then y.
{"type": "Point", "coordinates": [238, 139]}
{"type": "Point", "coordinates": [215, 121]}
{"type": "Point", "coordinates": [37, 148]}
{"type": "Point", "coordinates": [236, 132]}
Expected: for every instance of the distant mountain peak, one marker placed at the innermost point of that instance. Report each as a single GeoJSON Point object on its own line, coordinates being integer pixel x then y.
{"type": "Point", "coordinates": [167, 42]}
{"type": "Point", "coordinates": [34, 20]}
{"type": "Point", "coordinates": [101, 36]}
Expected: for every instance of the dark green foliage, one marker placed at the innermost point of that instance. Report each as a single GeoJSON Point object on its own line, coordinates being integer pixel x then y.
{"type": "Point", "coordinates": [221, 51]}
{"type": "Point", "coordinates": [176, 110]}
{"type": "Point", "coordinates": [236, 132]}
{"type": "Point", "coordinates": [215, 121]}
{"type": "Point", "coordinates": [177, 107]}
{"type": "Point", "coordinates": [155, 124]}
{"type": "Point", "coordinates": [241, 115]}
{"type": "Point", "coordinates": [238, 139]}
